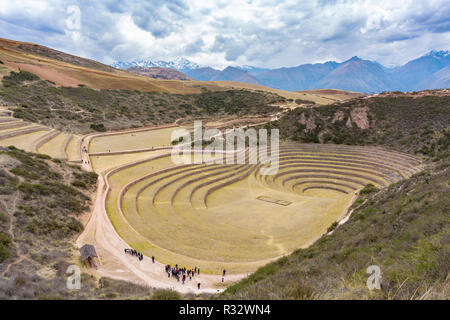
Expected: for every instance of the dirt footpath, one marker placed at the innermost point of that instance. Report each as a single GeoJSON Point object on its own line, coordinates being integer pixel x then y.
{"type": "Point", "coordinates": [116, 264]}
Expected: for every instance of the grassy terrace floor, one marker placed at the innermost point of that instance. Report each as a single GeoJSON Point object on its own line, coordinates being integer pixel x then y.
{"type": "Point", "coordinates": [209, 215]}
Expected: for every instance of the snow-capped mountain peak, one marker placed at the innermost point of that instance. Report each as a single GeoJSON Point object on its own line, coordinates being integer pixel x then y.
{"type": "Point", "coordinates": [179, 64]}
{"type": "Point", "coordinates": [439, 54]}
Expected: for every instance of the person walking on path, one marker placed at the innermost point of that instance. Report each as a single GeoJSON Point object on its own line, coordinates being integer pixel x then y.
{"type": "Point", "coordinates": [153, 259]}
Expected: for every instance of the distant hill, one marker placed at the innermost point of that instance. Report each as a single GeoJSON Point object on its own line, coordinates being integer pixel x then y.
{"type": "Point", "coordinates": [203, 74]}
{"type": "Point", "coordinates": [253, 70]}
{"type": "Point", "coordinates": [413, 75]}
{"type": "Point", "coordinates": [234, 74]}
{"type": "Point", "coordinates": [297, 78]}
{"type": "Point", "coordinates": [439, 79]}
{"type": "Point", "coordinates": [66, 70]}
{"type": "Point", "coordinates": [355, 74]}
{"type": "Point", "coordinates": [159, 73]}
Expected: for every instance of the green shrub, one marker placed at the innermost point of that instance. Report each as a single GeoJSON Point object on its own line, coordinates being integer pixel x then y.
{"type": "Point", "coordinates": [7, 183]}
{"type": "Point", "coordinates": [15, 78]}
{"type": "Point", "coordinates": [29, 189]}
{"type": "Point", "coordinates": [5, 243]}
{"type": "Point", "coordinates": [301, 101]}
{"type": "Point", "coordinates": [98, 127]}
{"type": "Point", "coordinates": [369, 188]}
{"type": "Point", "coordinates": [3, 218]}
{"type": "Point", "coordinates": [332, 227]}
{"type": "Point", "coordinates": [166, 294]}
{"type": "Point", "coordinates": [79, 184]}
{"type": "Point", "coordinates": [18, 171]}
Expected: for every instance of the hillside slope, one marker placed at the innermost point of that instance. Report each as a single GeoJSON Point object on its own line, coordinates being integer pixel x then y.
{"type": "Point", "coordinates": [417, 124]}
{"type": "Point", "coordinates": [82, 109]}
{"type": "Point", "coordinates": [66, 70]}
{"type": "Point", "coordinates": [403, 229]}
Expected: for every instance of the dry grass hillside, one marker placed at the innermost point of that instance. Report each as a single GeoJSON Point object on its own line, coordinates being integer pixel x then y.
{"type": "Point", "coordinates": [333, 95]}
{"type": "Point", "coordinates": [67, 70]}
{"type": "Point", "coordinates": [415, 123]}
{"type": "Point", "coordinates": [82, 109]}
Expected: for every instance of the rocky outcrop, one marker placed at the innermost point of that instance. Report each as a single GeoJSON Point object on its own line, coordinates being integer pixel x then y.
{"type": "Point", "coordinates": [360, 117]}
{"type": "Point", "coordinates": [309, 122]}
{"type": "Point", "coordinates": [338, 116]}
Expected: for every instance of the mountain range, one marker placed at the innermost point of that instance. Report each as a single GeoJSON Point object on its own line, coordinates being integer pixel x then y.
{"type": "Point", "coordinates": [430, 71]}
{"type": "Point", "coordinates": [179, 64]}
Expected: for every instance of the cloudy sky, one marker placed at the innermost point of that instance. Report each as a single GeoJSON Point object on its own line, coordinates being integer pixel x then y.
{"type": "Point", "coordinates": [265, 33]}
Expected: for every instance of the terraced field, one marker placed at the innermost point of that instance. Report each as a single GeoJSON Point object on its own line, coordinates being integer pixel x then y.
{"type": "Point", "coordinates": [129, 141]}
{"type": "Point", "coordinates": [232, 216]}
{"type": "Point", "coordinates": [65, 146]}
{"type": "Point", "coordinates": [21, 134]}
{"type": "Point", "coordinates": [73, 148]}
{"type": "Point", "coordinates": [37, 138]}
{"type": "Point", "coordinates": [55, 145]}
{"type": "Point", "coordinates": [217, 215]}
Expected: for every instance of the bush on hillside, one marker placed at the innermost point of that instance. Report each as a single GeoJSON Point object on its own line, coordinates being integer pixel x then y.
{"type": "Point", "coordinates": [301, 101]}
{"type": "Point", "coordinates": [5, 243]}
{"type": "Point", "coordinates": [166, 294]}
{"type": "Point", "coordinates": [369, 188]}
{"type": "Point", "coordinates": [15, 78]}
{"type": "Point", "coordinates": [98, 127]}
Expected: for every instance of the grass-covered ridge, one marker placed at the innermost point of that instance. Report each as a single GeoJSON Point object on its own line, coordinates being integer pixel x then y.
{"type": "Point", "coordinates": [418, 125]}
{"type": "Point", "coordinates": [81, 109]}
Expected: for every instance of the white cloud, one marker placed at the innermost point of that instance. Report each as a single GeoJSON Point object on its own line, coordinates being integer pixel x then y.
{"type": "Point", "coordinates": [266, 33]}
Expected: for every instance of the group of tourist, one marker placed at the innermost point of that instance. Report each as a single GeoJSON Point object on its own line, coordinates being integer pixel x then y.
{"type": "Point", "coordinates": [181, 273]}
{"type": "Point", "coordinates": [135, 253]}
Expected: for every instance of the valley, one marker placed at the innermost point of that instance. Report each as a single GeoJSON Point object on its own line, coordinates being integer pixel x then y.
{"type": "Point", "coordinates": [86, 158]}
